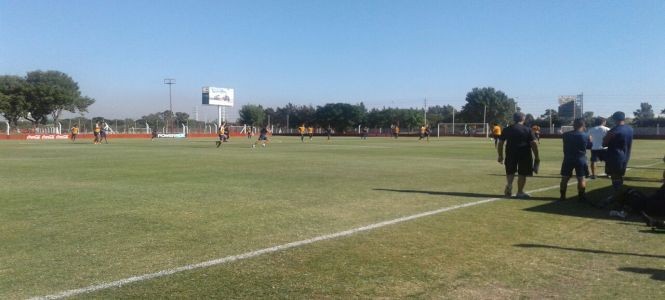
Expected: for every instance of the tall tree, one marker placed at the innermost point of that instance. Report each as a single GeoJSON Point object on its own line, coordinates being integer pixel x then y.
{"type": "Point", "coordinates": [340, 116]}
{"type": "Point", "coordinates": [13, 98]}
{"type": "Point", "coordinates": [50, 93]}
{"type": "Point", "coordinates": [181, 118]}
{"type": "Point", "coordinates": [252, 115]}
{"type": "Point", "coordinates": [644, 112]}
{"type": "Point", "coordinates": [496, 104]}
{"type": "Point", "coordinates": [440, 114]}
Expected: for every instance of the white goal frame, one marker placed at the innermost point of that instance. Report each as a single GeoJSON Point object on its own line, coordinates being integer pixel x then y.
{"type": "Point", "coordinates": [485, 128]}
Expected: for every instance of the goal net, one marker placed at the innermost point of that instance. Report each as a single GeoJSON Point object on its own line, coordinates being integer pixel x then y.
{"type": "Point", "coordinates": [463, 129]}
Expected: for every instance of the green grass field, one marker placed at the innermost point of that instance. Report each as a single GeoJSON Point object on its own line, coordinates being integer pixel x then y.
{"type": "Point", "coordinates": [74, 215]}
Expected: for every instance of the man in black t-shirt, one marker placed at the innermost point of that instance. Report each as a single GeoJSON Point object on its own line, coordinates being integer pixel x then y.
{"type": "Point", "coordinates": [520, 143]}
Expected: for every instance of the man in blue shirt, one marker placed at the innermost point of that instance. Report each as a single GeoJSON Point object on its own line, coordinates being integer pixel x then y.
{"type": "Point", "coordinates": [574, 158]}
{"type": "Point", "coordinates": [619, 141]}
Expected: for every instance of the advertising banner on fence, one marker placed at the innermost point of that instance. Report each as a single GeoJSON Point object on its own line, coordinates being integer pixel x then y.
{"type": "Point", "coordinates": [46, 137]}
{"type": "Point", "coordinates": [217, 96]}
{"type": "Point", "coordinates": [171, 135]}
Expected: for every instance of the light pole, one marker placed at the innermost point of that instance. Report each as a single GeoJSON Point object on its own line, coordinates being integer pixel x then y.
{"type": "Point", "coordinates": [170, 82]}
{"type": "Point", "coordinates": [515, 104]}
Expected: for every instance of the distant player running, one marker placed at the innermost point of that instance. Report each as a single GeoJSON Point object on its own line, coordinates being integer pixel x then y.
{"type": "Point", "coordinates": [422, 132]}
{"type": "Point", "coordinates": [310, 132]}
{"type": "Point", "coordinates": [301, 131]}
{"type": "Point", "coordinates": [221, 132]}
{"type": "Point", "coordinates": [75, 132]}
{"type": "Point", "coordinates": [263, 138]}
{"type": "Point", "coordinates": [496, 133]}
{"type": "Point", "coordinates": [96, 132]}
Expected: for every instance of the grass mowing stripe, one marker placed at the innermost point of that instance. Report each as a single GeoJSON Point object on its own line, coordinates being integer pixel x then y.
{"type": "Point", "coordinates": [251, 254]}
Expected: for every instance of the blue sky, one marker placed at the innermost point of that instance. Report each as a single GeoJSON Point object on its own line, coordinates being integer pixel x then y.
{"type": "Point", "coordinates": [384, 53]}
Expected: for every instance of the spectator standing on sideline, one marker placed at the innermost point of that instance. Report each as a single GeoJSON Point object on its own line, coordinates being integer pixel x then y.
{"type": "Point", "coordinates": [574, 158]}
{"type": "Point", "coordinates": [619, 141]}
{"type": "Point", "coordinates": [597, 134]}
{"type": "Point", "coordinates": [520, 143]}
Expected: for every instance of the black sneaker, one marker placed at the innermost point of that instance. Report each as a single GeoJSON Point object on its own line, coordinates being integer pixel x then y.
{"type": "Point", "coordinates": [582, 198]}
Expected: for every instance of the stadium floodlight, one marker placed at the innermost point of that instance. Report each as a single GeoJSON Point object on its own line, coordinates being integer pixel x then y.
{"type": "Point", "coordinates": [170, 82]}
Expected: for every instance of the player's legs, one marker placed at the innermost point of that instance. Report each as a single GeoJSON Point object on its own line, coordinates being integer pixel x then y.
{"type": "Point", "coordinates": [521, 182]}
{"type": "Point", "coordinates": [563, 186]}
{"type": "Point", "coordinates": [511, 168]}
{"type": "Point", "coordinates": [524, 169]}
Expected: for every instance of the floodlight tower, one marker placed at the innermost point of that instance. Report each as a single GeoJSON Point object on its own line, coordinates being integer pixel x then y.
{"type": "Point", "coordinates": [170, 82]}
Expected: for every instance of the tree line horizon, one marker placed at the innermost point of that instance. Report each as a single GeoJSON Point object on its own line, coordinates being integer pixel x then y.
{"type": "Point", "coordinates": [42, 96]}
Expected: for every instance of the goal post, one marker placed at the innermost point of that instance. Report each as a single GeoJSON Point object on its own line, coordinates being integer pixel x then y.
{"type": "Point", "coordinates": [462, 129]}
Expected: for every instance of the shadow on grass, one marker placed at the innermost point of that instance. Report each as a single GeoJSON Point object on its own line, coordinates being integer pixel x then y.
{"type": "Point", "coordinates": [587, 250]}
{"type": "Point", "coordinates": [642, 179]}
{"type": "Point", "coordinates": [591, 209]}
{"type": "Point", "coordinates": [656, 274]}
{"type": "Point", "coordinates": [534, 175]}
{"type": "Point", "coordinates": [459, 194]}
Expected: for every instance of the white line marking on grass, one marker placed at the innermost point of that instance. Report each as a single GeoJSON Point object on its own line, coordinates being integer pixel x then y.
{"type": "Point", "coordinates": [251, 254]}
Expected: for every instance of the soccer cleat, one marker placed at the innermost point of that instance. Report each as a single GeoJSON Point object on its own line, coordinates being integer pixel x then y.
{"type": "Point", "coordinates": [508, 191]}
{"type": "Point", "coordinates": [592, 177]}
{"type": "Point", "coordinates": [522, 196]}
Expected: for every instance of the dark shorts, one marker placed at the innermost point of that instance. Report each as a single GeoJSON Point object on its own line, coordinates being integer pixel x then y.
{"type": "Point", "coordinates": [580, 168]}
{"type": "Point", "coordinates": [263, 138]}
{"type": "Point", "coordinates": [598, 155]}
{"type": "Point", "coordinates": [222, 137]}
{"type": "Point", "coordinates": [496, 136]}
{"type": "Point", "coordinates": [615, 169]}
{"type": "Point", "coordinates": [522, 163]}
{"type": "Point", "coordinates": [96, 134]}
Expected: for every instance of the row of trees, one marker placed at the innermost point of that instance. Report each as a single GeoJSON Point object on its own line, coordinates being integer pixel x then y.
{"type": "Point", "coordinates": [40, 95]}
{"type": "Point", "coordinates": [482, 103]}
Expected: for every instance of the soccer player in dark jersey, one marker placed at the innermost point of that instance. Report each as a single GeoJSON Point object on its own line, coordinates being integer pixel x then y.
{"type": "Point", "coordinates": [619, 141]}
{"type": "Point", "coordinates": [520, 143]}
{"type": "Point", "coordinates": [263, 137]}
{"type": "Point", "coordinates": [102, 134]}
{"type": "Point", "coordinates": [329, 132]}
{"type": "Point", "coordinates": [574, 158]}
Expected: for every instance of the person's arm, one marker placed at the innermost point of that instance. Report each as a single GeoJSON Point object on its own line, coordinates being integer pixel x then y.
{"type": "Point", "coordinates": [499, 149]}
{"type": "Point", "coordinates": [534, 149]}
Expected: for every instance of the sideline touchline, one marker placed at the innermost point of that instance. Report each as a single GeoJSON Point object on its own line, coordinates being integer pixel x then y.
{"type": "Point", "coordinates": [251, 254]}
